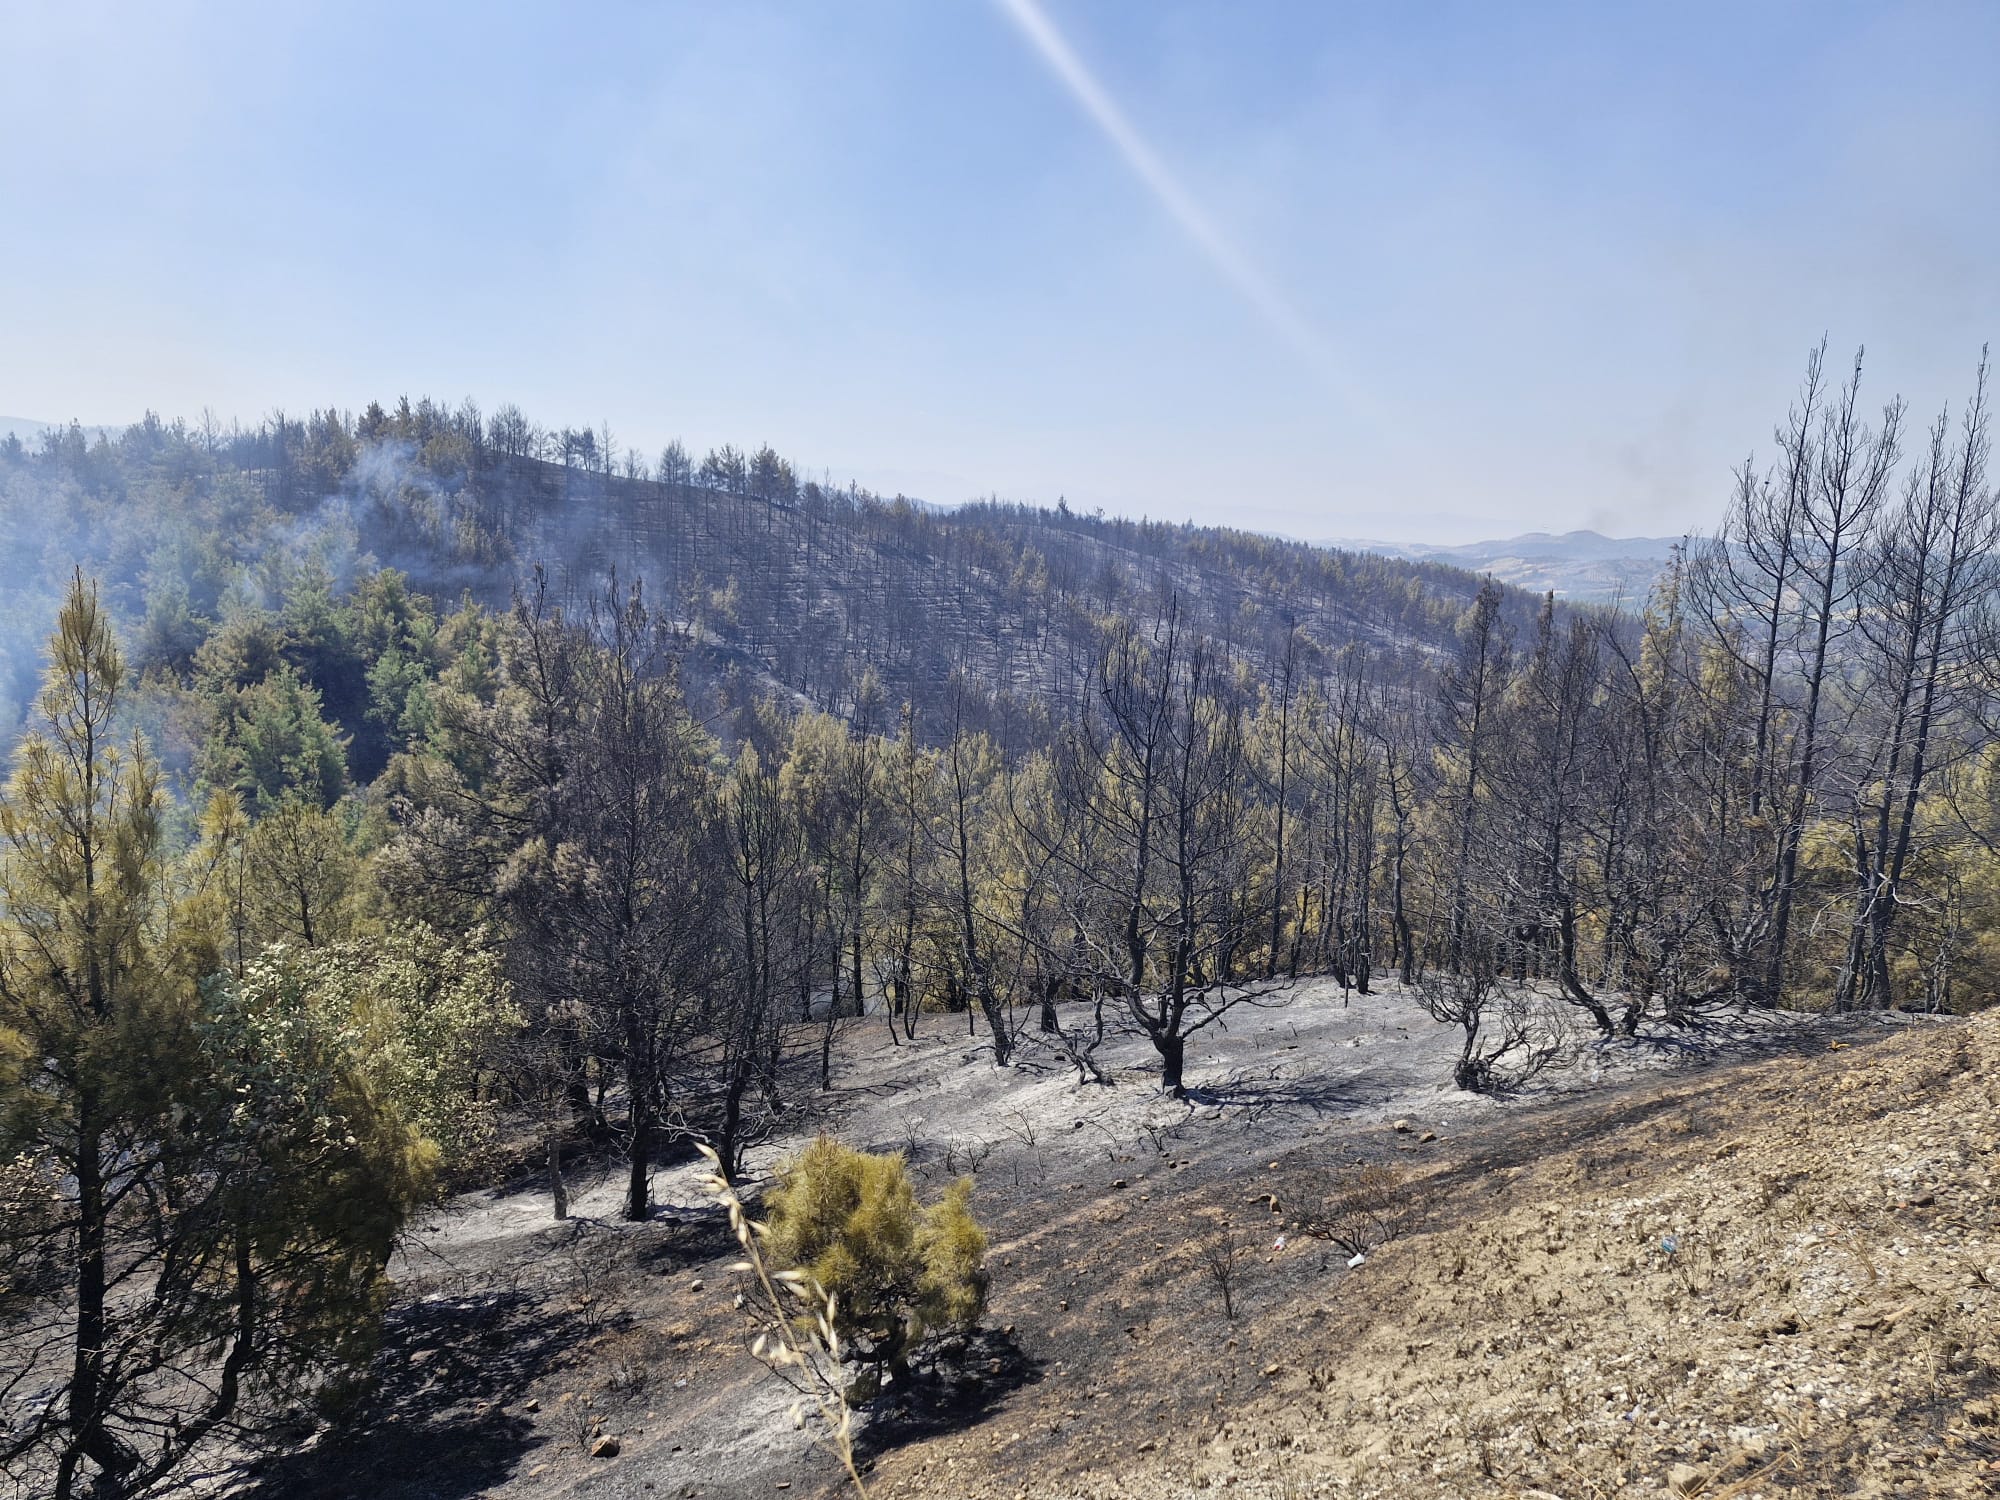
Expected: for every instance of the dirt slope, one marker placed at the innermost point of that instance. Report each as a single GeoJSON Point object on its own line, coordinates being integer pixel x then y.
{"type": "Point", "coordinates": [1823, 1323]}
{"type": "Point", "coordinates": [1779, 1279]}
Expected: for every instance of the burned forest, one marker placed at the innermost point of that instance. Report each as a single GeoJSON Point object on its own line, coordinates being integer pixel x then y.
{"type": "Point", "coordinates": [442, 853]}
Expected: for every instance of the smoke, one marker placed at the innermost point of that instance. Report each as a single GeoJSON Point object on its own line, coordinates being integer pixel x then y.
{"type": "Point", "coordinates": [177, 531]}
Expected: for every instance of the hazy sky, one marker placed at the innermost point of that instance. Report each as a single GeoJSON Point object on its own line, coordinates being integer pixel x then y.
{"type": "Point", "coordinates": [1421, 271]}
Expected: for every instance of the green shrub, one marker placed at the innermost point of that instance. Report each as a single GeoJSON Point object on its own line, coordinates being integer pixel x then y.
{"type": "Point", "coordinates": [896, 1271]}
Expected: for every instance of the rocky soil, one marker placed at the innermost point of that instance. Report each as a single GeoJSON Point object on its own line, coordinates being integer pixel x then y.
{"type": "Point", "coordinates": [1755, 1261]}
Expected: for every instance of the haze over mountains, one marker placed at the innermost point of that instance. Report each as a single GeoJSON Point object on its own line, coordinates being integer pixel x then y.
{"type": "Point", "coordinates": [1584, 566]}
{"type": "Point", "coordinates": [1581, 566]}
{"type": "Point", "coordinates": [30, 430]}
{"type": "Point", "coordinates": [27, 429]}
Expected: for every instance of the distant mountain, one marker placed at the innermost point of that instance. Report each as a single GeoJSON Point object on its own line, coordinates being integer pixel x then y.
{"type": "Point", "coordinates": [30, 429]}
{"type": "Point", "coordinates": [1584, 566]}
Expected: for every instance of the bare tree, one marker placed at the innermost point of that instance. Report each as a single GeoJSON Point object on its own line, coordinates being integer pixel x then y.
{"type": "Point", "coordinates": [1849, 470]}
{"type": "Point", "coordinates": [1164, 748]}
{"type": "Point", "coordinates": [1926, 585]}
{"type": "Point", "coordinates": [1544, 789]}
{"type": "Point", "coordinates": [582, 827]}
{"type": "Point", "coordinates": [1058, 897]}
{"type": "Point", "coordinates": [1342, 763]}
{"type": "Point", "coordinates": [1273, 768]}
{"type": "Point", "coordinates": [766, 955]}
{"type": "Point", "coordinates": [1466, 727]}
{"type": "Point", "coordinates": [1495, 1017]}
{"type": "Point", "coordinates": [1221, 1256]}
{"type": "Point", "coordinates": [1398, 737]}
{"type": "Point", "coordinates": [971, 769]}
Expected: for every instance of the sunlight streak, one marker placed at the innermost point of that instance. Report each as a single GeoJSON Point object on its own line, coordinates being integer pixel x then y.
{"type": "Point", "coordinates": [1236, 268]}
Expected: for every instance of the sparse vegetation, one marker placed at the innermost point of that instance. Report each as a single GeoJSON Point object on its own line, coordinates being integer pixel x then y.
{"type": "Point", "coordinates": [1364, 1208]}
{"type": "Point", "coordinates": [1220, 1255]}
{"type": "Point", "coordinates": [1506, 1043]}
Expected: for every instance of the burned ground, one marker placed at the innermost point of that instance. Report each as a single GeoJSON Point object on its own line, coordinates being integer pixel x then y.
{"type": "Point", "coordinates": [1754, 1261]}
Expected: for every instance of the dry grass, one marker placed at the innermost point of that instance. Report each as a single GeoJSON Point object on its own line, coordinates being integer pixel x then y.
{"type": "Point", "coordinates": [799, 1342]}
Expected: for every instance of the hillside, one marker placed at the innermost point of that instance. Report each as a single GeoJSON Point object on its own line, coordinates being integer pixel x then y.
{"type": "Point", "coordinates": [1763, 1256]}
{"type": "Point", "coordinates": [468, 897]}
{"type": "Point", "coordinates": [812, 591]}
{"type": "Point", "coordinates": [798, 588]}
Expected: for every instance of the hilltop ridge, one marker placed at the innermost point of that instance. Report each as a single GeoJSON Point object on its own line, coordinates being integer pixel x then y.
{"type": "Point", "coordinates": [819, 594]}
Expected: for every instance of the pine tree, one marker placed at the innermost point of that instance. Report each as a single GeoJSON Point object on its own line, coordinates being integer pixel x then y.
{"type": "Point", "coordinates": [208, 1178]}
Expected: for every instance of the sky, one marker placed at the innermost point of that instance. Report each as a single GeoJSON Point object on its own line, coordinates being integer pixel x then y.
{"type": "Point", "coordinates": [1420, 272]}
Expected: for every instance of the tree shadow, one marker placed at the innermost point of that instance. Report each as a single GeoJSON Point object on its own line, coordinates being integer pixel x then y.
{"type": "Point", "coordinates": [1742, 1037]}
{"type": "Point", "coordinates": [1256, 1098]}
{"type": "Point", "coordinates": [1699, 1102]}
{"type": "Point", "coordinates": [438, 1421]}
{"type": "Point", "coordinates": [959, 1384]}
{"type": "Point", "coordinates": [691, 1236]}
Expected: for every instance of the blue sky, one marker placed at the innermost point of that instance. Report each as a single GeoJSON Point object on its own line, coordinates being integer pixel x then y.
{"type": "Point", "coordinates": [1420, 271]}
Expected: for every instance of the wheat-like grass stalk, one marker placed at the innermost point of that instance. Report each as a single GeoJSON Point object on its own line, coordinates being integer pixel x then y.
{"type": "Point", "coordinates": [805, 1353]}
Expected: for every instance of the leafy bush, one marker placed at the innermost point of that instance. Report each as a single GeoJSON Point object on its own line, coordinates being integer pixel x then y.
{"type": "Point", "coordinates": [420, 1015]}
{"type": "Point", "coordinates": [895, 1271]}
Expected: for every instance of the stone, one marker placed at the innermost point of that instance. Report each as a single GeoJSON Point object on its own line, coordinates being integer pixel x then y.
{"type": "Point", "coordinates": [1402, 1127]}
{"type": "Point", "coordinates": [533, 1403]}
{"type": "Point", "coordinates": [1685, 1479]}
{"type": "Point", "coordinates": [605, 1447]}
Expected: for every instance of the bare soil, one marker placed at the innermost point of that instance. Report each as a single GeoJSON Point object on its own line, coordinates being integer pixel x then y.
{"type": "Point", "coordinates": [1756, 1260]}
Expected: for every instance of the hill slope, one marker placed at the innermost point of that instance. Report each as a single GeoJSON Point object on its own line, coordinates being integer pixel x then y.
{"type": "Point", "coordinates": [813, 591]}
{"type": "Point", "coordinates": [1823, 1321]}
{"type": "Point", "coordinates": [1781, 1279]}
{"type": "Point", "coordinates": [801, 589]}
